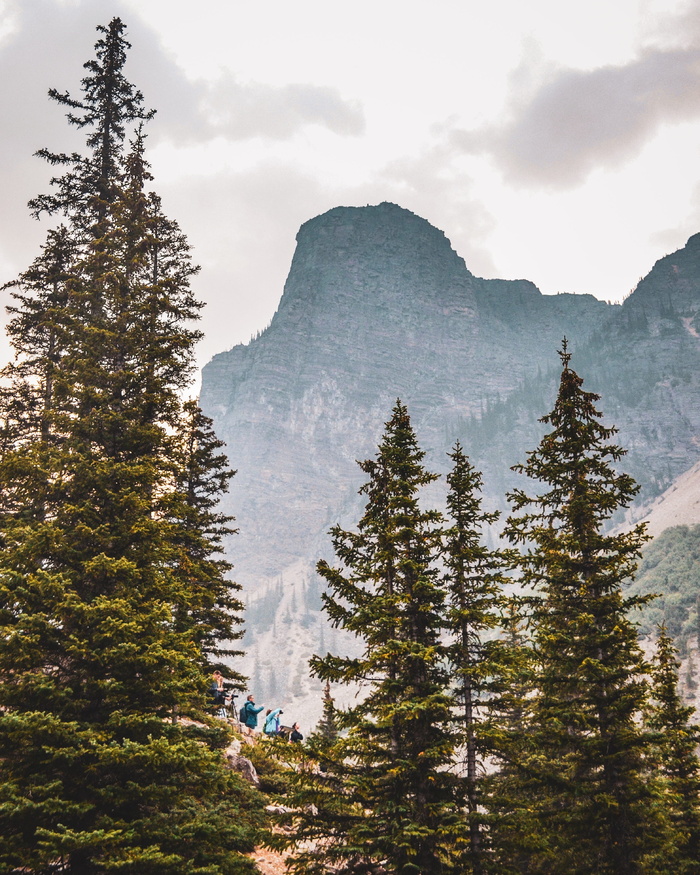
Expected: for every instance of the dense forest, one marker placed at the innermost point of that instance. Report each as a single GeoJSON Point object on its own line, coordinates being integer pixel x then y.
{"type": "Point", "coordinates": [510, 721]}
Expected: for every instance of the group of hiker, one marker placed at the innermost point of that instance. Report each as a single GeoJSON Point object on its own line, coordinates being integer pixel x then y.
{"type": "Point", "coordinates": [248, 714]}
{"type": "Point", "coordinates": [272, 725]}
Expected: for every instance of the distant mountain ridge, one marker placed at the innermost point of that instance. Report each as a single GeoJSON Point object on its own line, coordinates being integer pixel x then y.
{"type": "Point", "coordinates": [377, 306]}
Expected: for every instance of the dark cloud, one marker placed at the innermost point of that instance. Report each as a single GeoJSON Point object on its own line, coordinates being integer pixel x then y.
{"type": "Point", "coordinates": [580, 120]}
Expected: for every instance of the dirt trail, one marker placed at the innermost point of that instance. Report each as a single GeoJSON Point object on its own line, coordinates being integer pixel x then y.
{"type": "Point", "coordinates": [270, 862]}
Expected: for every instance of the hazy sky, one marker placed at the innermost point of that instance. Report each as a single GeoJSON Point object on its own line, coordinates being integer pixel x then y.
{"type": "Point", "coordinates": [552, 140]}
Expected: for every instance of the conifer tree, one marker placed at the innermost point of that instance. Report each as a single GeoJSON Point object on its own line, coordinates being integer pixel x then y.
{"type": "Point", "coordinates": [474, 583]}
{"type": "Point", "coordinates": [207, 609]}
{"type": "Point", "coordinates": [677, 744]}
{"type": "Point", "coordinates": [515, 836]}
{"type": "Point", "coordinates": [386, 795]}
{"type": "Point", "coordinates": [594, 803]}
{"type": "Point", "coordinates": [37, 331]}
{"type": "Point", "coordinates": [107, 108]}
{"type": "Point", "coordinates": [111, 594]}
{"type": "Point", "coordinates": [327, 727]}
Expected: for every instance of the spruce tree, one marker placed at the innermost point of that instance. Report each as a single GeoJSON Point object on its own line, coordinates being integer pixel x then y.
{"type": "Point", "coordinates": [677, 742]}
{"type": "Point", "coordinates": [514, 833]}
{"type": "Point", "coordinates": [327, 727]}
{"type": "Point", "coordinates": [107, 108]}
{"type": "Point", "coordinates": [386, 795]}
{"type": "Point", "coordinates": [111, 592]}
{"type": "Point", "coordinates": [595, 805]}
{"type": "Point", "coordinates": [208, 609]}
{"type": "Point", "coordinates": [474, 582]}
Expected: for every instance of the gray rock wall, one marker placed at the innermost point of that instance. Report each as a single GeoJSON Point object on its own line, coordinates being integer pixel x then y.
{"type": "Point", "coordinates": [377, 306]}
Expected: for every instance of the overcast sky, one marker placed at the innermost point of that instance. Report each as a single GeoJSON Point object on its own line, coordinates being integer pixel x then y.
{"type": "Point", "coordinates": [550, 140]}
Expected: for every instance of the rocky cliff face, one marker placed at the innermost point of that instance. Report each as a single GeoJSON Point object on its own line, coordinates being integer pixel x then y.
{"type": "Point", "coordinates": [645, 361]}
{"type": "Point", "coordinates": [377, 306]}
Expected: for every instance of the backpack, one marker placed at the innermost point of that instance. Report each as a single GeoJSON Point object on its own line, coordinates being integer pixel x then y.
{"type": "Point", "coordinates": [242, 714]}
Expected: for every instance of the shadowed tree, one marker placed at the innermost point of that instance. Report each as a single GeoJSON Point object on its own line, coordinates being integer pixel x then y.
{"type": "Point", "coordinates": [328, 724]}
{"type": "Point", "coordinates": [677, 742]}
{"type": "Point", "coordinates": [208, 609]}
{"type": "Point", "coordinates": [515, 836]}
{"type": "Point", "coordinates": [473, 581]}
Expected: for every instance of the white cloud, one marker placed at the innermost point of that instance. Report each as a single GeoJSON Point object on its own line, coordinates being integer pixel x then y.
{"type": "Point", "coordinates": [260, 110]}
{"type": "Point", "coordinates": [578, 121]}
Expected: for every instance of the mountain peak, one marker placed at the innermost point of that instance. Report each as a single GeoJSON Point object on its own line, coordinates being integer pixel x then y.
{"type": "Point", "coordinates": [672, 283]}
{"type": "Point", "coordinates": [382, 256]}
{"type": "Point", "coordinates": [385, 224]}
{"type": "Point", "coordinates": [378, 305]}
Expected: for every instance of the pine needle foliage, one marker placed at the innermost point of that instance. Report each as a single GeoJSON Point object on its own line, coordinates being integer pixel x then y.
{"type": "Point", "coordinates": [385, 795]}
{"type": "Point", "coordinates": [208, 611]}
{"type": "Point", "coordinates": [677, 740]}
{"type": "Point", "coordinates": [515, 837]}
{"type": "Point", "coordinates": [112, 596]}
{"type": "Point", "coordinates": [107, 108]}
{"type": "Point", "coordinates": [327, 727]}
{"type": "Point", "coordinates": [595, 806]}
{"type": "Point", "coordinates": [474, 581]}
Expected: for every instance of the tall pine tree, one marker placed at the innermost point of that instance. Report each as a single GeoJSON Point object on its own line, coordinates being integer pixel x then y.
{"type": "Point", "coordinates": [595, 805]}
{"type": "Point", "coordinates": [208, 610]}
{"type": "Point", "coordinates": [677, 742]}
{"type": "Point", "coordinates": [474, 583]}
{"type": "Point", "coordinates": [386, 795]}
{"type": "Point", "coordinates": [514, 832]}
{"type": "Point", "coordinates": [107, 108]}
{"type": "Point", "coordinates": [111, 592]}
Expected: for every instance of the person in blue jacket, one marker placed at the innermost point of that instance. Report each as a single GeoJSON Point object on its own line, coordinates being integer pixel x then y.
{"type": "Point", "coordinates": [272, 722]}
{"type": "Point", "coordinates": [251, 712]}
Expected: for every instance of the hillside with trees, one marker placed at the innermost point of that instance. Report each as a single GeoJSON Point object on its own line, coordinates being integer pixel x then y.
{"type": "Point", "coordinates": [670, 569]}
{"type": "Point", "coordinates": [505, 717]}
{"type": "Point", "coordinates": [555, 746]}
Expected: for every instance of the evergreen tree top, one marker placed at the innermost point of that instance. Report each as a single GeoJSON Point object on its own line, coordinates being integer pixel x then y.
{"type": "Point", "coordinates": [576, 463]}
{"type": "Point", "coordinates": [108, 106]}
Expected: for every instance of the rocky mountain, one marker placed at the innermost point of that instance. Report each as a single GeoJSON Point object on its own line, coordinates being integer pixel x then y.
{"type": "Point", "coordinates": [377, 306]}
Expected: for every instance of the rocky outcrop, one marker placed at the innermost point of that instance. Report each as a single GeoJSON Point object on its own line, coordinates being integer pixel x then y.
{"type": "Point", "coordinates": [377, 306]}
{"type": "Point", "coordinates": [645, 361]}
{"type": "Point", "coordinates": [234, 760]}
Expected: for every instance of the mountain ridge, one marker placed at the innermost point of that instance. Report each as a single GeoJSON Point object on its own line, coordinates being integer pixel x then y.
{"type": "Point", "coordinates": [377, 305]}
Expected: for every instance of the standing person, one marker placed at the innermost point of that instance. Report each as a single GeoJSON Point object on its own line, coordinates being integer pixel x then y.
{"type": "Point", "coordinates": [216, 688]}
{"type": "Point", "coordinates": [295, 735]}
{"type": "Point", "coordinates": [272, 722]}
{"type": "Point", "coordinates": [251, 713]}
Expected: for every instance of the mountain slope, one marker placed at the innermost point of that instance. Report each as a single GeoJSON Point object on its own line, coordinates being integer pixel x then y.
{"type": "Point", "coordinates": [377, 306]}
